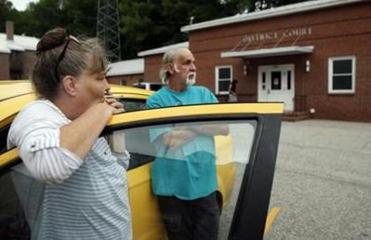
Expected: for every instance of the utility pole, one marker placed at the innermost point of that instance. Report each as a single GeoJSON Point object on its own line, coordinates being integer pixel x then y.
{"type": "Point", "coordinates": [108, 29]}
{"type": "Point", "coordinates": [60, 4]}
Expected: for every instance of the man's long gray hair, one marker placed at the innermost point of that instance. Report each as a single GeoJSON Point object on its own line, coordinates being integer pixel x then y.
{"type": "Point", "coordinates": [168, 58]}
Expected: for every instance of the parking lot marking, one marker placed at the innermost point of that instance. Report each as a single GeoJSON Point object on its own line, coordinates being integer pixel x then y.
{"type": "Point", "coordinates": [270, 219]}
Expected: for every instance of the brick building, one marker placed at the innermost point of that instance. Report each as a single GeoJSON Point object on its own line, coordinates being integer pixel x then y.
{"type": "Point", "coordinates": [313, 56]}
{"type": "Point", "coordinates": [126, 72]}
{"type": "Point", "coordinates": [17, 54]}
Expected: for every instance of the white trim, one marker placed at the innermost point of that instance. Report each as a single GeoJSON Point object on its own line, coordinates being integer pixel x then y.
{"type": "Point", "coordinates": [217, 78]}
{"type": "Point", "coordinates": [164, 49]}
{"type": "Point", "coordinates": [4, 47]}
{"type": "Point", "coordinates": [269, 52]}
{"type": "Point", "coordinates": [330, 75]}
{"type": "Point", "coordinates": [19, 43]}
{"type": "Point", "coordinates": [127, 67]}
{"type": "Point", "coordinates": [272, 12]}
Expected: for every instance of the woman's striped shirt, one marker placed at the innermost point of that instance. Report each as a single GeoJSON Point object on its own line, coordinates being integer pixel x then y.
{"type": "Point", "coordinates": [82, 199]}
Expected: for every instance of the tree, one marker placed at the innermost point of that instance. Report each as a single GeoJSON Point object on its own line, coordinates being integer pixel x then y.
{"type": "Point", "coordinates": [238, 6]}
{"type": "Point", "coordinates": [144, 24]}
{"type": "Point", "coordinates": [7, 12]}
{"type": "Point", "coordinates": [258, 5]}
{"type": "Point", "coordinates": [79, 17]}
{"type": "Point", "coordinates": [147, 24]}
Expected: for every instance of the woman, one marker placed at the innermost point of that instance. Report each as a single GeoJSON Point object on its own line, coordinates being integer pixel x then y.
{"type": "Point", "coordinates": [85, 186]}
{"type": "Point", "coordinates": [232, 97]}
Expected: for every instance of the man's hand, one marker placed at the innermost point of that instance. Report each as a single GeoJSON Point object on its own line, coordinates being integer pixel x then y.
{"type": "Point", "coordinates": [177, 137]}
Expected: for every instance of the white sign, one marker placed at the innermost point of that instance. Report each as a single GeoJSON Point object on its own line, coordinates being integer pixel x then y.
{"type": "Point", "coordinates": [296, 32]}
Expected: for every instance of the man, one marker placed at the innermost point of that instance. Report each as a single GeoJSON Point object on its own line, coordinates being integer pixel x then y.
{"type": "Point", "coordinates": [184, 172]}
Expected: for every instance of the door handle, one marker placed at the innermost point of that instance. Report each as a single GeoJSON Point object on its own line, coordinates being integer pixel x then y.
{"type": "Point", "coordinates": [269, 91]}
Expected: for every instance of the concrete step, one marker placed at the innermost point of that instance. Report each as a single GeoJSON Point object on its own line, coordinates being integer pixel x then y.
{"type": "Point", "coordinates": [295, 116]}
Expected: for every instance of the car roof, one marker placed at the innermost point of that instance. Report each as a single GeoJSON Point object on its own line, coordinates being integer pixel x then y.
{"type": "Point", "coordinates": [10, 89]}
{"type": "Point", "coordinates": [14, 94]}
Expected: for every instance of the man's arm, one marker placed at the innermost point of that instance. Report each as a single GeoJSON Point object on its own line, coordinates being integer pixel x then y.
{"type": "Point", "coordinates": [211, 129]}
{"type": "Point", "coordinates": [177, 137]}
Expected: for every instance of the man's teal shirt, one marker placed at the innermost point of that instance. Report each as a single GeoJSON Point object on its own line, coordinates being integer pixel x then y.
{"type": "Point", "coordinates": [188, 171]}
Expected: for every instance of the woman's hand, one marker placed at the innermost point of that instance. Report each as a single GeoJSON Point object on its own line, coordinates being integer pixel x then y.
{"type": "Point", "coordinates": [116, 105]}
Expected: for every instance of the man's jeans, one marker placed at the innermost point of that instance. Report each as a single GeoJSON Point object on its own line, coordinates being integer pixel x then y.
{"type": "Point", "coordinates": [190, 219]}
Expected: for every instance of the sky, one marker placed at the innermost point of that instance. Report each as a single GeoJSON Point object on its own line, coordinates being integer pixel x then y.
{"type": "Point", "coordinates": [21, 5]}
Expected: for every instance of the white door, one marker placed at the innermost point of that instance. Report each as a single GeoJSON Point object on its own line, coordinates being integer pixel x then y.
{"type": "Point", "coordinates": [276, 84]}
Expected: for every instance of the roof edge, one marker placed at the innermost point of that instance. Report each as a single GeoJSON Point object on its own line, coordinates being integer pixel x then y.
{"type": "Point", "coordinates": [163, 49]}
{"type": "Point", "coordinates": [264, 52]}
{"type": "Point", "coordinates": [126, 73]}
{"type": "Point", "coordinates": [272, 12]}
{"type": "Point", "coordinates": [126, 67]}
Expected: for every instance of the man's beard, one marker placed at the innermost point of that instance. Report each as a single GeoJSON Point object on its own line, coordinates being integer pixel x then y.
{"type": "Point", "coordinates": [191, 78]}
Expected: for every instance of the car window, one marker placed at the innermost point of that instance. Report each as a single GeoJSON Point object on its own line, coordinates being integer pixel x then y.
{"type": "Point", "coordinates": [13, 224]}
{"type": "Point", "coordinates": [155, 87]}
{"type": "Point", "coordinates": [142, 86]}
{"type": "Point", "coordinates": [230, 151]}
{"type": "Point", "coordinates": [3, 136]}
{"type": "Point", "coordinates": [133, 104]}
{"type": "Point", "coordinates": [149, 86]}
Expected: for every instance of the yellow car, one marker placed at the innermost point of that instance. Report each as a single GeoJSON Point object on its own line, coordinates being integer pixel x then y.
{"type": "Point", "coordinates": [243, 191]}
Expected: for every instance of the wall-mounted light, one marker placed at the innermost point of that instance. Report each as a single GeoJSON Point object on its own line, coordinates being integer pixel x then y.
{"type": "Point", "coordinates": [307, 66]}
{"type": "Point", "coordinates": [244, 69]}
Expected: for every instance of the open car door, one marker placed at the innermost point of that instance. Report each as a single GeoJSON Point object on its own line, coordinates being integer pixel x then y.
{"type": "Point", "coordinates": [245, 158]}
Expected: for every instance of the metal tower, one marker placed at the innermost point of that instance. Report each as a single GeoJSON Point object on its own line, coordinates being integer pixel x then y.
{"type": "Point", "coordinates": [108, 28]}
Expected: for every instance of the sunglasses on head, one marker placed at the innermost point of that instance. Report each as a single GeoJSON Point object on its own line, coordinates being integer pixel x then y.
{"type": "Point", "coordinates": [69, 38]}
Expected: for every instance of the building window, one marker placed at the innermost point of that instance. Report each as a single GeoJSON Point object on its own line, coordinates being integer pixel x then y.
{"type": "Point", "coordinates": [276, 80]}
{"type": "Point", "coordinates": [223, 77]}
{"type": "Point", "coordinates": [341, 74]}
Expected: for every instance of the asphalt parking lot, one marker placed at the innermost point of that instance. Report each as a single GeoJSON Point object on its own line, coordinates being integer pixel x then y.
{"type": "Point", "coordinates": [322, 184]}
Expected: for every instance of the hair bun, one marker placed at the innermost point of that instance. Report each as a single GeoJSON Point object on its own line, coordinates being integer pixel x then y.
{"type": "Point", "coordinates": [52, 39]}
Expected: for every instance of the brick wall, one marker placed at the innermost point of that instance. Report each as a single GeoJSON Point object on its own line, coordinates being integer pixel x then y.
{"type": "Point", "coordinates": [29, 60]}
{"type": "Point", "coordinates": [4, 66]}
{"type": "Point", "coordinates": [21, 64]}
{"type": "Point", "coordinates": [152, 65]}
